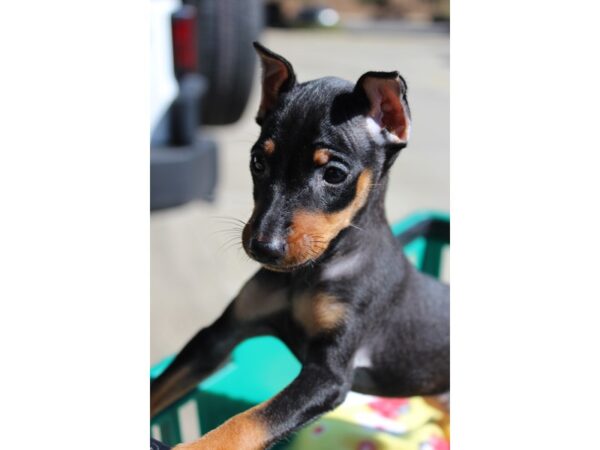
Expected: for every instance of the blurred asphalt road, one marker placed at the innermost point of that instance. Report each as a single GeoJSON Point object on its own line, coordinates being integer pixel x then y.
{"type": "Point", "coordinates": [195, 271]}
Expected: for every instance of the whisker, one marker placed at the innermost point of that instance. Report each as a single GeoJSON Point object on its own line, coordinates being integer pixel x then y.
{"type": "Point", "coordinates": [227, 240]}
{"type": "Point", "coordinates": [227, 232]}
{"type": "Point", "coordinates": [231, 246]}
{"type": "Point", "coordinates": [357, 227]}
{"type": "Point", "coordinates": [229, 219]}
{"type": "Point", "coordinates": [235, 244]}
{"type": "Point", "coordinates": [244, 254]}
{"type": "Point", "coordinates": [223, 230]}
{"type": "Point", "coordinates": [230, 227]}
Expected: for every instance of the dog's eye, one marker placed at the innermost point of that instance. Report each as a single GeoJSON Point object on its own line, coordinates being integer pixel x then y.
{"type": "Point", "coordinates": [257, 164]}
{"type": "Point", "coordinates": [334, 175]}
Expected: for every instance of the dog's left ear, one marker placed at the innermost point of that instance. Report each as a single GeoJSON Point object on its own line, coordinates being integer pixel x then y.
{"type": "Point", "coordinates": [388, 107]}
{"type": "Point", "coordinates": [277, 77]}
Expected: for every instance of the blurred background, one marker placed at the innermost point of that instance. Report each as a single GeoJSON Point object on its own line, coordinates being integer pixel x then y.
{"type": "Point", "coordinates": [204, 95]}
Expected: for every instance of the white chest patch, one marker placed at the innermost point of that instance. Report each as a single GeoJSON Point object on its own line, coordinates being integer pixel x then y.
{"type": "Point", "coordinates": [362, 358]}
{"type": "Point", "coordinates": [345, 266]}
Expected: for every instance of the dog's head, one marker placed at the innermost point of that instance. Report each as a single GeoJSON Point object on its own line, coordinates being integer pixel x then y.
{"type": "Point", "coordinates": [323, 148]}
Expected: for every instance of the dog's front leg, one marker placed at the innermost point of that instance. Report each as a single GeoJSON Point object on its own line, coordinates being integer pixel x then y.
{"type": "Point", "coordinates": [321, 386]}
{"type": "Point", "coordinates": [263, 295]}
{"type": "Point", "coordinates": [197, 360]}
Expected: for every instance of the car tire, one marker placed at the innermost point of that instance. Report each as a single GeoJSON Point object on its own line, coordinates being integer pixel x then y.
{"type": "Point", "coordinates": [226, 30]}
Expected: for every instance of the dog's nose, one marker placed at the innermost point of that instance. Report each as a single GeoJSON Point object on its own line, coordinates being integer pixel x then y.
{"type": "Point", "coordinates": [267, 250]}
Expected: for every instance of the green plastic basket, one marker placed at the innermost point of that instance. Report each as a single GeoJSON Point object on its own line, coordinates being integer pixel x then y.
{"type": "Point", "coordinates": [260, 367]}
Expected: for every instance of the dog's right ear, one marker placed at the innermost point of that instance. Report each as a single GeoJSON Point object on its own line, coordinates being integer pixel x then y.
{"type": "Point", "coordinates": [277, 77]}
{"type": "Point", "coordinates": [388, 107]}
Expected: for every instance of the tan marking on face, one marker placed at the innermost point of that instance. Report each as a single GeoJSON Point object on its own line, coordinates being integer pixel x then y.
{"type": "Point", "coordinates": [311, 232]}
{"type": "Point", "coordinates": [254, 301]}
{"type": "Point", "coordinates": [245, 431]}
{"type": "Point", "coordinates": [318, 313]}
{"type": "Point", "coordinates": [269, 147]}
{"type": "Point", "coordinates": [321, 157]}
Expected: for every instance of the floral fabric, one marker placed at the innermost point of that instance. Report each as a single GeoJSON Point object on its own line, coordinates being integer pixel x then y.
{"type": "Point", "coordinates": [365, 422]}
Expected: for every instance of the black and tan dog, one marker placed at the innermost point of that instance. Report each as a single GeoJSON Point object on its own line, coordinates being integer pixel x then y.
{"type": "Point", "coordinates": [335, 285]}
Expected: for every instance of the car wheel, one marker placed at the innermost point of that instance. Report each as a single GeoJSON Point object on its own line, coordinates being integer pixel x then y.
{"type": "Point", "coordinates": [226, 30]}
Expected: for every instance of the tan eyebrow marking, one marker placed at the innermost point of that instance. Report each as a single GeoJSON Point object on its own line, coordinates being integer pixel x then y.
{"type": "Point", "coordinates": [269, 146]}
{"type": "Point", "coordinates": [321, 156]}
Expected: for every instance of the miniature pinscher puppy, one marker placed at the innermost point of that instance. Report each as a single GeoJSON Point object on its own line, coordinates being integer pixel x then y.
{"type": "Point", "coordinates": [335, 286]}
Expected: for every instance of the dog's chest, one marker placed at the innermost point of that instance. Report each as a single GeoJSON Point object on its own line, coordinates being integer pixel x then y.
{"type": "Point", "coordinates": [318, 312]}
{"type": "Point", "coordinates": [342, 268]}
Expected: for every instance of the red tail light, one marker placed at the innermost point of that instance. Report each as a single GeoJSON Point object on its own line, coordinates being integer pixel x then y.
{"type": "Point", "coordinates": [185, 40]}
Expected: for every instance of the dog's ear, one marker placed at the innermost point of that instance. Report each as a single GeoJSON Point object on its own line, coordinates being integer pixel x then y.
{"type": "Point", "coordinates": [277, 77]}
{"type": "Point", "coordinates": [388, 107]}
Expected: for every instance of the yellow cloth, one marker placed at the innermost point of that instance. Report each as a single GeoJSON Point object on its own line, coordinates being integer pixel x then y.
{"type": "Point", "coordinates": [365, 422]}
